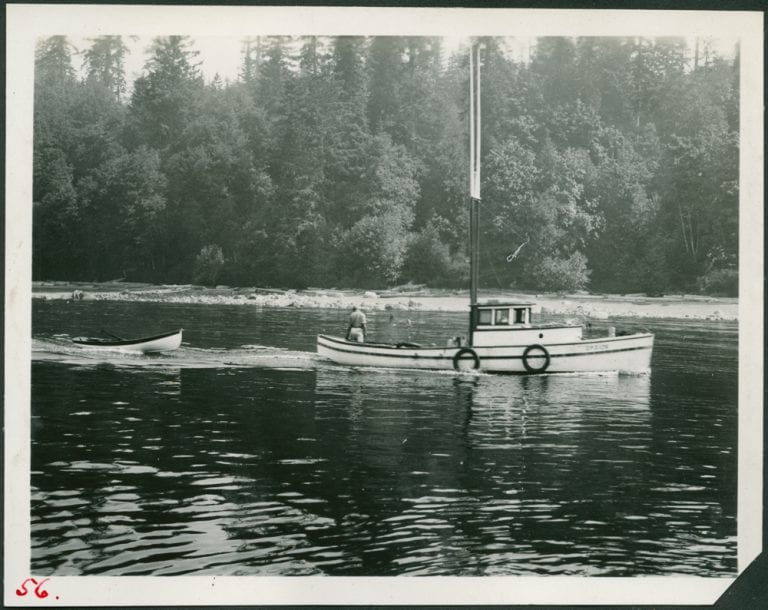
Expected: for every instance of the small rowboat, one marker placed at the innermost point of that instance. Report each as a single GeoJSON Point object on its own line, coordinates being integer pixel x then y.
{"type": "Point", "coordinates": [158, 343]}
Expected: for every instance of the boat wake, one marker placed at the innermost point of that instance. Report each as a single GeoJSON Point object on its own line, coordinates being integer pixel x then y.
{"type": "Point", "coordinates": [61, 349]}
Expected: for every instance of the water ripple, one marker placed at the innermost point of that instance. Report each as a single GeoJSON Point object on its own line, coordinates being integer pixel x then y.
{"type": "Point", "coordinates": [220, 461]}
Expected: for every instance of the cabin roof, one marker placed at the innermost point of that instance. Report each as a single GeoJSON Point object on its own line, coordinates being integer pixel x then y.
{"type": "Point", "coordinates": [494, 303]}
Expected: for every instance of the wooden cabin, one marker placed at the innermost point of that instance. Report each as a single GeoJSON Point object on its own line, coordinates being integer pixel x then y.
{"type": "Point", "coordinates": [495, 324]}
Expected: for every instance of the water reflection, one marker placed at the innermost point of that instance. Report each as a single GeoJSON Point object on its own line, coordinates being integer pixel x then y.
{"type": "Point", "coordinates": [498, 468]}
{"type": "Point", "coordinates": [231, 470]}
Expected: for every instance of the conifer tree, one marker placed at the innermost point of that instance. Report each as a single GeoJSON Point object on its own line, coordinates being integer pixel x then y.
{"type": "Point", "coordinates": [105, 64]}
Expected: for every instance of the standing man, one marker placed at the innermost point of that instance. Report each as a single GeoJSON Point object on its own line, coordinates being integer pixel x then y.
{"type": "Point", "coordinates": [356, 330]}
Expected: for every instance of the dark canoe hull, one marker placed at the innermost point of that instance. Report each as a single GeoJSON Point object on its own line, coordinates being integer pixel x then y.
{"type": "Point", "coordinates": [158, 343]}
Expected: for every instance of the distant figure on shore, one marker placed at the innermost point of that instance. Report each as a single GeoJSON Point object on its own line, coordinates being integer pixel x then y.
{"type": "Point", "coordinates": [356, 330]}
{"type": "Point", "coordinates": [77, 295]}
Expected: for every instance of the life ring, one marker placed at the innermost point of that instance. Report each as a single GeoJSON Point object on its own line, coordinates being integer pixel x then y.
{"type": "Point", "coordinates": [544, 354]}
{"type": "Point", "coordinates": [461, 356]}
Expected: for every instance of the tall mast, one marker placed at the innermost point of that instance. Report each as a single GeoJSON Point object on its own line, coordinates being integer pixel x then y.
{"type": "Point", "coordinates": [474, 173]}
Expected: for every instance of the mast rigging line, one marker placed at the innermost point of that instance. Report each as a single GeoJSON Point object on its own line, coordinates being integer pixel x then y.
{"type": "Point", "coordinates": [514, 254]}
{"type": "Point", "coordinates": [490, 227]}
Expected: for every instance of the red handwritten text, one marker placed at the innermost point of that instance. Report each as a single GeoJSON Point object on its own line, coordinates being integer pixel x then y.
{"type": "Point", "coordinates": [39, 592]}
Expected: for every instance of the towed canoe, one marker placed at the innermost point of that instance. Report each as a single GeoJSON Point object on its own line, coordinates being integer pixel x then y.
{"type": "Point", "coordinates": [158, 343]}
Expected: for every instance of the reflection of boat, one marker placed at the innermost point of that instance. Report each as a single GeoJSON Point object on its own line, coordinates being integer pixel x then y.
{"type": "Point", "coordinates": [493, 395]}
{"type": "Point", "coordinates": [502, 337]}
{"type": "Point", "coordinates": [558, 395]}
{"type": "Point", "coordinates": [158, 343]}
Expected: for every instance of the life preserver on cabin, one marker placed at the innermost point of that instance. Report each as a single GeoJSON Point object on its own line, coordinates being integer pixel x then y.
{"type": "Point", "coordinates": [543, 354]}
{"type": "Point", "coordinates": [466, 354]}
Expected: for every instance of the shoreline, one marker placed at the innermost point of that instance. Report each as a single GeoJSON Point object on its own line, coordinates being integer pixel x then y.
{"type": "Point", "coordinates": [406, 298]}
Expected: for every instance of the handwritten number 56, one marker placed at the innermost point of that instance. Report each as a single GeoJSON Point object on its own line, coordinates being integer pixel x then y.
{"type": "Point", "coordinates": [39, 592]}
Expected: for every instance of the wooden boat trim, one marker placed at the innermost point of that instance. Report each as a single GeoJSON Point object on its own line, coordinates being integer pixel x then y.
{"type": "Point", "coordinates": [591, 341]}
{"type": "Point", "coordinates": [507, 328]}
{"type": "Point", "coordinates": [379, 345]}
{"type": "Point", "coordinates": [438, 353]}
{"type": "Point", "coordinates": [390, 346]}
{"type": "Point", "coordinates": [392, 351]}
{"type": "Point", "coordinates": [568, 354]}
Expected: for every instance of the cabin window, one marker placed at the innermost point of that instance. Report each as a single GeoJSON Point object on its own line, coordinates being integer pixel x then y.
{"type": "Point", "coordinates": [502, 317]}
{"type": "Point", "coordinates": [484, 316]}
{"type": "Point", "coordinates": [520, 316]}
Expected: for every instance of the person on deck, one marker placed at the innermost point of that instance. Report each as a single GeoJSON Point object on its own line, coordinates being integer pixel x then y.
{"type": "Point", "coordinates": [356, 330]}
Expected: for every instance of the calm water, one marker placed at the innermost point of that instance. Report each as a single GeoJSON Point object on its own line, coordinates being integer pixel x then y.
{"type": "Point", "coordinates": [229, 457]}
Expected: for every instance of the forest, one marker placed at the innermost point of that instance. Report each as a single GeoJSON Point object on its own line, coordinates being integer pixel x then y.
{"type": "Point", "coordinates": [608, 165]}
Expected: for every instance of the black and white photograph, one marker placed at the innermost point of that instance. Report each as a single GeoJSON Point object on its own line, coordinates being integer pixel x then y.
{"type": "Point", "coordinates": [382, 305]}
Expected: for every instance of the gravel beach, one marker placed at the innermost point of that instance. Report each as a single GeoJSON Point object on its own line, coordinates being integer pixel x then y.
{"type": "Point", "coordinates": [407, 298]}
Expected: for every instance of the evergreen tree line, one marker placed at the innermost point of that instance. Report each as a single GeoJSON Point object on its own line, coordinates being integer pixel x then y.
{"type": "Point", "coordinates": [608, 163]}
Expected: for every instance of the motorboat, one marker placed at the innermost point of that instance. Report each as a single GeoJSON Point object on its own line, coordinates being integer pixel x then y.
{"type": "Point", "coordinates": [502, 335]}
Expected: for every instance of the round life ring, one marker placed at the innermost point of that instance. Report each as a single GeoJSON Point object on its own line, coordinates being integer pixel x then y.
{"type": "Point", "coordinates": [464, 355]}
{"type": "Point", "coordinates": [539, 352]}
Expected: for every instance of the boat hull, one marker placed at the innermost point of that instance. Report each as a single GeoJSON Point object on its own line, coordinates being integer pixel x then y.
{"type": "Point", "coordinates": [147, 345]}
{"type": "Point", "coordinates": [625, 354]}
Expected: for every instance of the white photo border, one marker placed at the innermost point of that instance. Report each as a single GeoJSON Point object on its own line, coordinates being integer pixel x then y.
{"type": "Point", "coordinates": [25, 24]}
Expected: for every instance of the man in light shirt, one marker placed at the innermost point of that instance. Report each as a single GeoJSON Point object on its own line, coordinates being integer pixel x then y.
{"type": "Point", "coordinates": [356, 330]}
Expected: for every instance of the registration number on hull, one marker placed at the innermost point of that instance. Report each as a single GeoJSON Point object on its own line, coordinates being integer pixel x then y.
{"type": "Point", "coordinates": [597, 347]}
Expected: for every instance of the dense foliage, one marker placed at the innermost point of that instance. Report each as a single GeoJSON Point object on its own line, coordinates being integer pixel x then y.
{"type": "Point", "coordinates": [608, 163]}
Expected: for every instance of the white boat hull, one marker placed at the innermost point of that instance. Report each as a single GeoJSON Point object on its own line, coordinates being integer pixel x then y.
{"type": "Point", "coordinates": [624, 354]}
{"type": "Point", "coordinates": [165, 344]}
{"type": "Point", "coordinates": [149, 345]}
